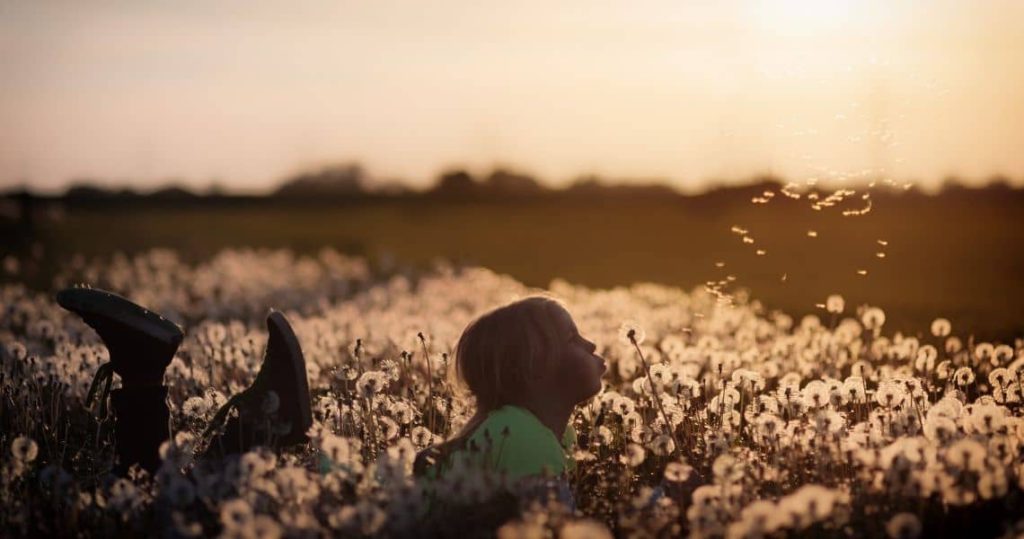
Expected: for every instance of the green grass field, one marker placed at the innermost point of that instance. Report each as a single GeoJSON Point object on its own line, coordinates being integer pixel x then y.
{"type": "Point", "coordinates": [959, 255]}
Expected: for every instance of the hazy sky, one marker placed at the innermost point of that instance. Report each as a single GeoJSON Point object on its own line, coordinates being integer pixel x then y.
{"type": "Point", "coordinates": [247, 92]}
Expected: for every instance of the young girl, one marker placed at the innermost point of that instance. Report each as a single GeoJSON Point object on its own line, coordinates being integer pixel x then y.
{"type": "Point", "coordinates": [528, 368]}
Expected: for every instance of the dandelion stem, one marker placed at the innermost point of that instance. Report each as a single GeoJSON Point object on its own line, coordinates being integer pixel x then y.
{"type": "Point", "coordinates": [654, 393]}
{"type": "Point", "coordinates": [430, 382]}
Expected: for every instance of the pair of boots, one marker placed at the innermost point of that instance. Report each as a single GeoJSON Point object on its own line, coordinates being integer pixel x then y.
{"type": "Point", "coordinates": [142, 343]}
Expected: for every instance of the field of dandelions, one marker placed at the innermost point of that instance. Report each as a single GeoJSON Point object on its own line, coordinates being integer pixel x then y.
{"type": "Point", "coordinates": [717, 419]}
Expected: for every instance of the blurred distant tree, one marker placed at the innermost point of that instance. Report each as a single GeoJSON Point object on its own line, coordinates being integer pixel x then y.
{"type": "Point", "coordinates": [999, 182]}
{"type": "Point", "coordinates": [585, 185]}
{"type": "Point", "coordinates": [952, 184]}
{"type": "Point", "coordinates": [86, 189]}
{"type": "Point", "coordinates": [456, 183]}
{"type": "Point", "coordinates": [346, 179]}
{"type": "Point", "coordinates": [594, 186]}
{"type": "Point", "coordinates": [390, 187]}
{"type": "Point", "coordinates": [173, 192]}
{"type": "Point", "coordinates": [506, 183]}
{"type": "Point", "coordinates": [216, 189]}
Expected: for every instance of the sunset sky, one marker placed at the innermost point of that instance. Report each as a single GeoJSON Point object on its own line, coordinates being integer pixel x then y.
{"type": "Point", "coordinates": [245, 93]}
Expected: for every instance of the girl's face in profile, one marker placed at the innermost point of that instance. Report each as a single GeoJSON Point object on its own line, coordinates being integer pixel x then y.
{"type": "Point", "coordinates": [579, 372]}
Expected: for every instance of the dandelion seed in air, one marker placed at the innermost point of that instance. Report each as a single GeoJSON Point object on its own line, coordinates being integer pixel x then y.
{"type": "Point", "coordinates": [883, 243]}
{"type": "Point", "coordinates": [719, 264]}
{"type": "Point", "coordinates": [761, 252]}
{"type": "Point", "coordinates": [880, 254]}
{"type": "Point", "coordinates": [784, 277]}
{"type": "Point", "coordinates": [812, 233]}
{"type": "Point", "coordinates": [862, 272]}
{"type": "Point", "coordinates": [748, 239]}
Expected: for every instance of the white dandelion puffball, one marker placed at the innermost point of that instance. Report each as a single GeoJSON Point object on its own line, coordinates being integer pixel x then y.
{"type": "Point", "coordinates": [631, 333]}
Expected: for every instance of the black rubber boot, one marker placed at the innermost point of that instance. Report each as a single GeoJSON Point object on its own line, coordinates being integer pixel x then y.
{"type": "Point", "coordinates": [277, 420]}
{"type": "Point", "coordinates": [141, 344]}
{"type": "Point", "coordinates": [140, 426]}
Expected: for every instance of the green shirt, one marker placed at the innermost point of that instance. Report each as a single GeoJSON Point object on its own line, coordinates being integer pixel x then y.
{"type": "Point", "coordinates": [528, 448]}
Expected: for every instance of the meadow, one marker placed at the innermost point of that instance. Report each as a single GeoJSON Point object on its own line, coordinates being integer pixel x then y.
{"type": "Point", "coordinates": [717, 418]}
{"type": "Point", "coordinates": [775, 369]}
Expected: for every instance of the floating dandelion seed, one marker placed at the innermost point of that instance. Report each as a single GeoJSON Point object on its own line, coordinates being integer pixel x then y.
{"type": "Point", "coordinates": [812, 233]}
{"type": "Point", "coordinates": [883, 243]}
{"type": "Point", "coordinates": [748, 239]}
{"type": "Point", "coordinates": [783, 277]}
{"type": "Point", "coordinates": [760, 252]}
{"type": "Point", "coordinates": [736, 229]}
{"type": "Point", "coordinates": [880, 254]}
{"type": "Point", "coordinates": [862, 272]}
{"type": "Point", "coordinates": [862, 211]}
{"type": "Point", "coordinates": [719, 264]}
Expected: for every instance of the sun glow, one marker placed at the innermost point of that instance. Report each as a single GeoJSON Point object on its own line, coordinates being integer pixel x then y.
{"type": "Point", "coordinates": [681, 90]}
{"type": "Point", "coordinates": [805, 17]}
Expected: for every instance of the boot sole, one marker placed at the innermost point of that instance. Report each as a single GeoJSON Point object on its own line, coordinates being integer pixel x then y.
{"type": "Point", "coordinates": [94, 302]}
{"type": "Point", "coordinates": [277, 322]}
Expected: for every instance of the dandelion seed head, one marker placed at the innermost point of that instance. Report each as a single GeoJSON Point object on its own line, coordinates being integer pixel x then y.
{"type": "Point", "coordinates": [835, 304]}
{"type": "Point", "coordinates": [631, 333]}
{"type": "Point", "coordinates": [24, 449]}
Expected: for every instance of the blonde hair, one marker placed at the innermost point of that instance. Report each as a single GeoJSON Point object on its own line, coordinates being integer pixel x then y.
{"type": "Point", "coordinates": [501, 353]}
